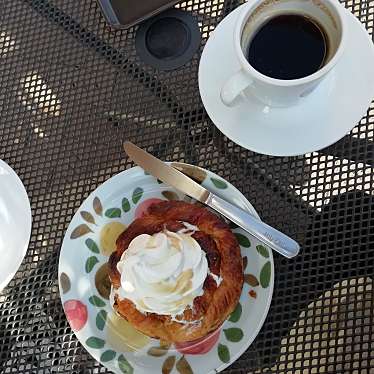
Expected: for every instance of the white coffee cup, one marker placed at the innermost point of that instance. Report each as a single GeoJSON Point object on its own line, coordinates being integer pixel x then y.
{"type": "Point", "coordinates": [277, 92]}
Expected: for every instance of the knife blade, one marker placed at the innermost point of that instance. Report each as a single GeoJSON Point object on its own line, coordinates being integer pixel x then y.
{"type": "Point", "coordinates": [268, 235]}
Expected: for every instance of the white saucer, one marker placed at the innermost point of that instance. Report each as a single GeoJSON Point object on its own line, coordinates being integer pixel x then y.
{"type": "Point", "coordinates": [15, 223]}
{"type": "Point", "coordinates": [324, 117]}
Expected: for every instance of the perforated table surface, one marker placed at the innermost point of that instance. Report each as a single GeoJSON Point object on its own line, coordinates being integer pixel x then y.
{"type": "Point", "coordinates": [72, 90]}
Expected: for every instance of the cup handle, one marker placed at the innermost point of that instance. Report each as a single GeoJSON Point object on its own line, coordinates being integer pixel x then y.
{"type": "Point", "coordinates": [234, 87]}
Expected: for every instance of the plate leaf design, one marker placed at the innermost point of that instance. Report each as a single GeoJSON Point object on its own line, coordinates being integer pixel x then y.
{"type": "Point", "coordinates": [65, 283]}
{"type": "Point", "coordinates": [251, 280]}
{"type": "Point", "coordinates": [219, 183]}
{"type": "Point", "coordinates": [168, 365]}
{"type": "Point", "coordinates": [223, 353]}
{"type": "Point", "coordinates": [265, 275]}
{"type": "Point", "coordinates": [113, 213]}
{"type": "Point", "coordinates": [236, 314]}
{"type": "Point", "coordinates": [137, 195]}
{"type": "Point", "coordinates": [263, 251]}
{"type": "Point", "coordinates": [243, 240]}
{"type": "Point", "coordinates": [183, 366]}
{"type": "Point", "coordinates": [88, 217]}
{"type": "Point", "coordinates": [124, 365]}
{"type": "Point", "coordinates": [90, 263]}
{"type": "Point", "coordinates": [96, 301]}
{"type": "Point", "coordinates": [92, 246]}
{"type": "Point", "coordinates": [98, 208]}
{"type": "Point", "coordinates": [101, 319]}
{"type": "Point", "coordinates": [234, 334]}
{"type": "Point", "coordinates": [108, 356]}
{"type": "Point", "coordinates": [79, 231]}
{"type": "Point", "coordinates": [95, 343]}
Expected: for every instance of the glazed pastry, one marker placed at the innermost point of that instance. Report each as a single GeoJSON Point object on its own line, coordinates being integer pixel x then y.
{"type": "Point", "coordinates": [177, 273]}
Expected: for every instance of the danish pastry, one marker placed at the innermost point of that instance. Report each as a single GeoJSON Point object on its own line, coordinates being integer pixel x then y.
{"type": "Point", "coordinates": [177, 273]}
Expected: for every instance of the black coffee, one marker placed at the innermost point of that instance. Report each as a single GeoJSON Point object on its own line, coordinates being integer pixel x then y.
{"type": "Point", "coordinates": [289, 46]}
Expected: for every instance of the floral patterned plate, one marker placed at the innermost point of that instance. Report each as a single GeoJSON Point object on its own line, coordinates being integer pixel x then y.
{"type": "Point", "coordinates": [85, 287]}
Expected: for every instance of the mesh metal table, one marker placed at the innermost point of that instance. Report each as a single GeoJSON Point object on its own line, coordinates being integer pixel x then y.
{"type": "Point", "coordinates": [72, 90]}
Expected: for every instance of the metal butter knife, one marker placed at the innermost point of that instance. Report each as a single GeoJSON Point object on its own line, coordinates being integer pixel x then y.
{"type": "Point", "coordinates": [267, 234]}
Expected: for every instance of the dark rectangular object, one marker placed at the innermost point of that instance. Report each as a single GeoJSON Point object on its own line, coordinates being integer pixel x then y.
{"type": "Point", "coordinates": [123, 14]}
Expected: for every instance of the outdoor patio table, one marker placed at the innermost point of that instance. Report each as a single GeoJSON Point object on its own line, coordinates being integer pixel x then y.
{"type": "Point", "coordinates": [72, 90]}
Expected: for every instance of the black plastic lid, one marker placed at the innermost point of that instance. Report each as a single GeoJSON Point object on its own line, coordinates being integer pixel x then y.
{"type": "Point", "coordinates": [169, 40]}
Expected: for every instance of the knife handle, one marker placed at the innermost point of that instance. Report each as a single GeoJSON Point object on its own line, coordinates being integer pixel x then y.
{"type": "Point", "coordinates": [276, 240]}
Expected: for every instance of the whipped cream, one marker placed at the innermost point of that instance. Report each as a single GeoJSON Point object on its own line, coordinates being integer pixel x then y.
{"type": "Point", "coordinates": [164, 272]}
